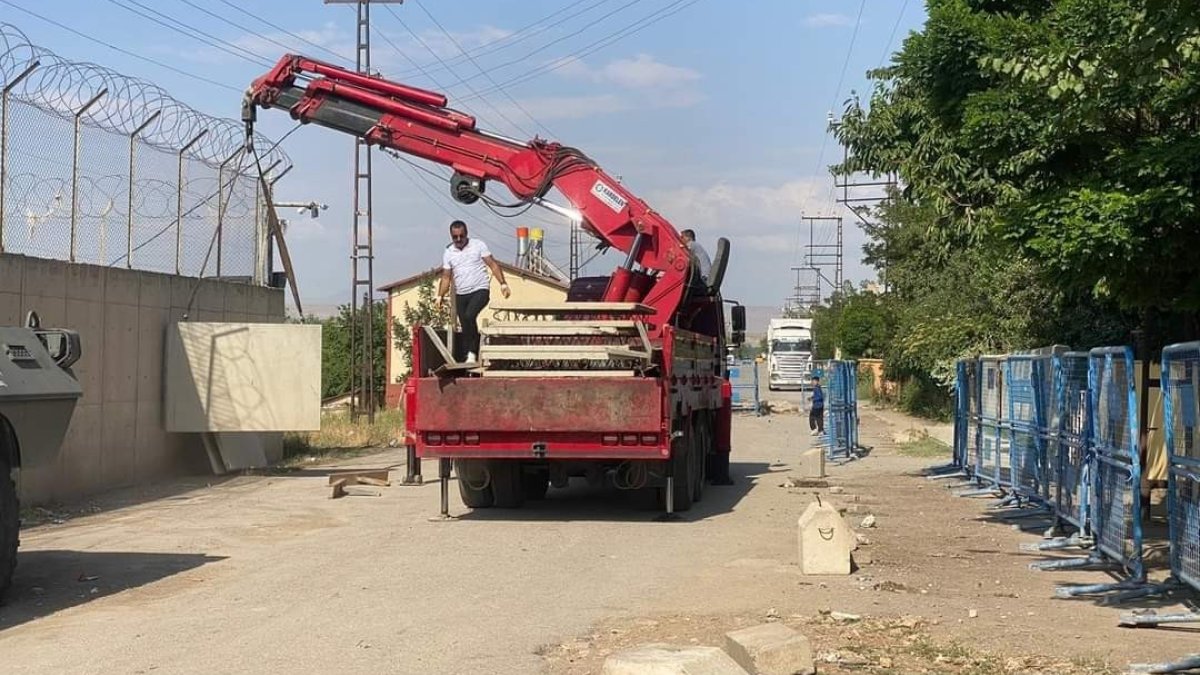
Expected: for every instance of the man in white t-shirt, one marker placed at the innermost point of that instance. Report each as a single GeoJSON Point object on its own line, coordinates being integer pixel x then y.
{"type": "Point", "coordinates": [467, 262]}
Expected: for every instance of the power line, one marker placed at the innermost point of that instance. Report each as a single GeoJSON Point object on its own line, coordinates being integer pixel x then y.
{"type": "Point", "coordinates": [236, 25]}
{"type": "Point", "coordinates": [612, 38]}
{"type": "Point", "coordinates": [837, 92]}
{"type": "Point", "coordinates": [480, 68]}
{"type": "Point", "coordinates": [120, 50]}
{"type": "Point", "coordinates": [564, 37]}
{"type": "Point", "coordinates": [287, 32]}
{"type": "Point", "coordinates": [205, 38]}
{"type": "Point", "coordinates": [461, 81]}
{"type": "Point", "coordinates": [440, 202]}
{"type": "Point", "coordinates": [500, 44]}
{"type": "Point", "coordinates": [892, 38]}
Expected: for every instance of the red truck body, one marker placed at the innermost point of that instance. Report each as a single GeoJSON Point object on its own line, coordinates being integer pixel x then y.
{"type": "Point", "coordinates": [634, 386]}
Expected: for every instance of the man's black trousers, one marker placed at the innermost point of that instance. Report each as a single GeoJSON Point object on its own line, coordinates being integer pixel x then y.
{"type": "Point", "coordinates": [468, 307]}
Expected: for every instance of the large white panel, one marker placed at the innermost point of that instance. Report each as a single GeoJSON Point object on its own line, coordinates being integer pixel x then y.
{"type": "Point", "coordinates": [225, 377]}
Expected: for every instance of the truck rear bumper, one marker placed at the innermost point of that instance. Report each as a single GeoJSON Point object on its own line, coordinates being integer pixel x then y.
{"type": "Point", "coordinates": [539, 418]}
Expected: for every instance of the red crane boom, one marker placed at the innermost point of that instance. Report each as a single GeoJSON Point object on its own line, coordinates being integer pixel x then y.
{"type": "Point", "coordinates": [417, 122]}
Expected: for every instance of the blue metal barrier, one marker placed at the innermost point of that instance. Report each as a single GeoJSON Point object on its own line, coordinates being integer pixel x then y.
{"type": "Point", "coordinates": [1180, 384]}
{"type": "Point", "coordinates": [744, 380]}
{"type": "Point", "coordinates": [992, 452]}
{"type": "Point", "coordinates": [1026, 410]}
{"type": "Point", "coordinates": [841, 409]}
{"type": "Point", "coordinates": [1114, 509]}
{"type": "Point", "coordinates": [1069, 454]}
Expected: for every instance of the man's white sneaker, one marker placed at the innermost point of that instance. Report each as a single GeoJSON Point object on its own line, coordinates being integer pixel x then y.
{"type": "Point", "coordinates": [815, 433]}
{"type": "Point", "coordinates": [470, 357]}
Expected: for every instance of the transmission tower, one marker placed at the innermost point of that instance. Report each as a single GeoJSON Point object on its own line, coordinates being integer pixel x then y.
{"type": "Point", "coordinates": [362, 253]}
{"type": "Point", "coordinates": [825, 256]}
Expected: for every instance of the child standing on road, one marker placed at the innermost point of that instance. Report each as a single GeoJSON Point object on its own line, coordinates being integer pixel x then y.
{"type": "Point", "coordinates": [816, 412]}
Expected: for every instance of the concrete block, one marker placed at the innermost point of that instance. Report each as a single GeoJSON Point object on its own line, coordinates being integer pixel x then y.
{"type": "Point", "coordinates": [12, 273]}
{"type": "Point", "coordinates": [181, 290]}
{"type": "Point", "coordinates": [152, 327]}
{"type": "Point", "coordinates": [45, 278]}
{"type": "Point", "coordinates": [825, 540]}
{"type": "Point", "coordinates": [51, 309]}
{"type": "Point", "coordinates": [10, 309]}
{"type": "Point", "coordinates": [243, 377]}
{"type": "Point", "coordinates": [118, 446]}
{"type": "Point", "coordinates": [812, 463]}
{"type": "Point", "coordinates": [237, 301]}
{"type": "Point", "coordinates": [153, 449]}
{"type": "Point", "coordinates": [86, 282]}
{"type": "Point", "coordinates": [211, 297]}
{"type": "Point", "coordinates": [78, 469]}
{"type": "Point", "coordinates": [259, 301]}
{"type": "Point", "coordinates": [154, 290]}
{"type": "Point", "coordinates": [87, 317]}
{"type": "Point", "coordinates": [121, 286]}
{"type": "Point", "coordinates": [120, 352]}
{"type": "Point", "coordinates": [660, 659]}
{"type": "Point", "coordinates": [771, 649]}
{"type": "Point", "coordinates": [275, 304]}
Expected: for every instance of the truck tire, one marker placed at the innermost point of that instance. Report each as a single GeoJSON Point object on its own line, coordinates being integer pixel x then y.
{"type": "Point", "coordinates": [10, 527]}
{"type": "Point", "coordinates": [470, 476]}
{"type": "Point", "coordinates": [507, 488]}
{"type": "Point", "coordinates": [535, 483]}
{"type": "Point", "coordinates": [703, 446]}
{"type": "Point", "coordinates": [684, 470]}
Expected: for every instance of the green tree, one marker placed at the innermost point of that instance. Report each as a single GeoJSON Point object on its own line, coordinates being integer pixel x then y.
{"type": "Point", "coordinates": [335, 349]}
{"type": "Point", "coordinates": [426, 313]}
{"type": "Point", "coordinates": [1049, 150]}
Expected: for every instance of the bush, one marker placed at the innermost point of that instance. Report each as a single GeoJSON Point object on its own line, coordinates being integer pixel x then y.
{"type": "Point", "coordinates": [922, 397]}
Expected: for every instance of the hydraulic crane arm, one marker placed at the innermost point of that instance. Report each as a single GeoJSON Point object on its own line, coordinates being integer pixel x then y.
{"type": "Point", "coordinates": [417, 122]}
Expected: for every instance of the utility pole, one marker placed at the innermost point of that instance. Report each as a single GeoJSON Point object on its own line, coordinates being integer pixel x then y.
{"type": "Point", "coordinates": [819, 256]}
{"type": "Point", "coordinates": [362, 252]}
{"type": "Point", "coordinates": [853, 199]}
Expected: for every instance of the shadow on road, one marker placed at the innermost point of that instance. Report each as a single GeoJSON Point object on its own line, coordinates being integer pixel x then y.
{"type": "Point", "coordinates": [49, 581]}
{"type": "Point", "coordinates": [582, 502]}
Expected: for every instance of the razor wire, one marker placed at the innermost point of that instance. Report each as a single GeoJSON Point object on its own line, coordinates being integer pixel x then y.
{"type": "Point", "coordinates": [97, 167]}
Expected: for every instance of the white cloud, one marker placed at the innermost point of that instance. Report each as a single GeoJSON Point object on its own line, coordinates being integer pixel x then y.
{"type": "Point", "coordinates": [827, 20]}
{"type": "Point", "coordinates": [641, 72]}
{"type": "Point", "coordinates": [763, 217]}
{"type": "Point", "coordinates": [548, 108]}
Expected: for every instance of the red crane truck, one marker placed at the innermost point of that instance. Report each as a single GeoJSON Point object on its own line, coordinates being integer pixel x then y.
{"type": "Point", "coordinates": [625, 379]}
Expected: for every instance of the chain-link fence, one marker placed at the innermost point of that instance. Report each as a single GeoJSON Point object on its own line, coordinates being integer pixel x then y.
{"type": "Point", "coordinates": [100, 168]}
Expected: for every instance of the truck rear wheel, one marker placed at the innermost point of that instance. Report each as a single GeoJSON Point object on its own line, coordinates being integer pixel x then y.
{"type": "Point", "coordinates": [507, 488]}
{"type": "Point", "coordinates": [474, 483]}
{"type": "Point", "coordinates": [702, 446]}
{"type": "Point", "coordinates": [535, 483]}
{"type": "Point", "coordinates": [10, 527]}
{"type": "Point", "coordinates": [683, 469]}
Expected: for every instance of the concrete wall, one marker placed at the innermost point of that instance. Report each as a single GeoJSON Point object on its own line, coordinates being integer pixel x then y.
{"type": "Point", "coordinates": [117, 436]}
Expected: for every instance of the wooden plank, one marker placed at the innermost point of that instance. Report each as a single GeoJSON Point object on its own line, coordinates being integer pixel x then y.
{"type": "Point", "coordinates": [438, 344]}
{"type": "Point", "coordinates": [626, 353]}
{"type": "Point", "coordinates": [581, 328]}
{"type": "Point", "coordinates": [361, 476]}
{"type": "Point", "coordinates": [549, 374]}
{"type": "Point", "coordinates": [338, 488]}
{"type": "Point", "coordinates": [572, 307]}
{"type": "Point", "coordinates": [557, 353]}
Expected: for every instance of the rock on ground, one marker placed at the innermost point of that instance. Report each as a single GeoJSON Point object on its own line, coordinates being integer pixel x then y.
{"type": "Point", "coordinates": [662, 659]}
{"type": "Point", "coordinates": [771, 649]}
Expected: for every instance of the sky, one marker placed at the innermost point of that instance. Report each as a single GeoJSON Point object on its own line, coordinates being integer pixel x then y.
{"type": "Point", "coordinates": [714, 113]}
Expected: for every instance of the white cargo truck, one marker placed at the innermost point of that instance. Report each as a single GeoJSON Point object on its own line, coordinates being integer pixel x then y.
{"type": "Point", "coordinates": [789, 354]}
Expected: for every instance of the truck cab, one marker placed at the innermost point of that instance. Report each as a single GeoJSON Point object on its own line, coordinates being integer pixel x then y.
{"type": "Point", "coordinates": [789, 354]}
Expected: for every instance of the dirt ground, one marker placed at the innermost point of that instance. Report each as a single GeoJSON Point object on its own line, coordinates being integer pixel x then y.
{"type": "Point", "coordinates": [266, 574]}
